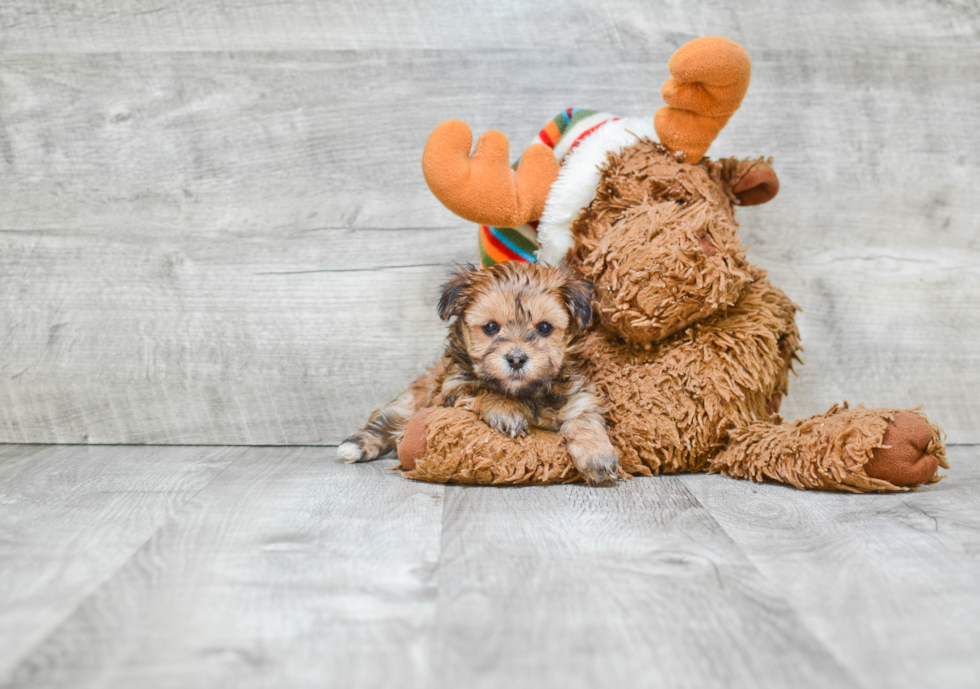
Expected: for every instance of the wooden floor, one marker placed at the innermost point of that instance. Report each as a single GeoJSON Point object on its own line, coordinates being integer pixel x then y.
{"type": "Point", "coordinates": [185, 567]}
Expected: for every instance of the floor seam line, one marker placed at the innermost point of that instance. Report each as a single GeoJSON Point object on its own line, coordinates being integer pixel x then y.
{"type": "Point", "coordinates": [99, 586]}
{"type": "Point", "coordinates": [858, 682]}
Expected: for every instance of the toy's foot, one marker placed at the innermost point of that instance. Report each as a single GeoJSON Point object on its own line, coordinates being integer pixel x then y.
{"type": "Point", "coordinates": [414, 444]}
{"type": "Point", "coordinates": [855, 450]}
{"type": "Point", "coordinates": [904, 460]}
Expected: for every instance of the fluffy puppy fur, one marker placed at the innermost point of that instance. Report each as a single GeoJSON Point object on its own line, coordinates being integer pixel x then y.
{"type": "Point", "coordinates": [513, 358]}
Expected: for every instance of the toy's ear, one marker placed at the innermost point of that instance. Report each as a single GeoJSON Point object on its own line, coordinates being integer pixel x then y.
{"type": "Point", "coordinates": [577, 294]}
{"type": "Point", "coordinates": [452, 301]}
{"type": "Point", "coordinates": [751, 181]}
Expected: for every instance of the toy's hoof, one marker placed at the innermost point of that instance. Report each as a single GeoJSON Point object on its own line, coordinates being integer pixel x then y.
{"type": "Point", "coordinates": [904, 461]}
{"type": "Point", "coordinates": [414, 443]}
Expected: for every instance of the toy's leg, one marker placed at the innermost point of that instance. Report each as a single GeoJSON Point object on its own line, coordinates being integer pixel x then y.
{"type": "Point", "coordinates": [671, 407]}
{"type": "Point", "coordinates": [387, 424]}
{"type": "Point", "coordinates": [855, 450]}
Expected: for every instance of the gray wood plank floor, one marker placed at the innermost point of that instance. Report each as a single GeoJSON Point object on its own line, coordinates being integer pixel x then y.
{"type": "Point", "coordinates": [272, 567]}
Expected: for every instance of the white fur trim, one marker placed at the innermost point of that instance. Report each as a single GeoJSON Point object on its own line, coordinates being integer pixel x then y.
{"type": "Point", "coordinates": [573, 133]}
{"type": "Point", "coordinates": [578, 179]}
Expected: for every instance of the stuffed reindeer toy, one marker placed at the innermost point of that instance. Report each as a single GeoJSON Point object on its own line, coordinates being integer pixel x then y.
{"type": "Point", "coordinates": [690, 349]}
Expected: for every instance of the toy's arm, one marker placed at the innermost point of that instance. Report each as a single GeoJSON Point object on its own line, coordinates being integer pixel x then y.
{"type": "Point", "coordinates": [451, 445]}
{"type": "Point", "coordinates": [710, 78]}
{"type": "Point", "coordinates": [854, 450]}
{"type": "Point", "coordinates": [482, 187]}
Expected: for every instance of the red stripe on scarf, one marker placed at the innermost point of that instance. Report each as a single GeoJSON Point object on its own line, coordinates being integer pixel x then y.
{"type": "Point", "coordinates": [587, 132]}
{"type": "Point", "coordinates": [495, 249]}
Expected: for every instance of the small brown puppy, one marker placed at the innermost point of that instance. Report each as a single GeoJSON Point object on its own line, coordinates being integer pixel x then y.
{"type": "Point", "coordinates": [513, 359]}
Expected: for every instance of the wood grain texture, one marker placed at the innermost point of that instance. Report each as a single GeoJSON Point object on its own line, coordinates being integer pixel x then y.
{"type": "Point", "coordinates": [212, 353]}
{"type": "Point", "coordinates": [214, 229]}
{"type": "Point", "coordinates": [890, 585]}
{"type": "Point", "coordinates": [181, 342]}
{"type": "Point", "coordinates": [101, 26]}
{"type": "Point", "coordinates": [289, 569]}
{"type": "Point", "coordinates": [71, 516]}
{"type": "Point", "coordinates": [266, 567]}
{"type": "Point", "coordinates": [871, 151]}
{"type": "Point", "coordinates": [13, 458]}
{"type": "Point", "coordinates": [887, 328]}
{"type": "Point", "coordinates": [570, 586]}
{"type": "Point", "coordinates": [184, 184]}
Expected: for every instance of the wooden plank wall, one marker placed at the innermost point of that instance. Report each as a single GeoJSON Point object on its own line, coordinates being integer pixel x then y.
{"type": "Point", "coordinates": [214, 229]}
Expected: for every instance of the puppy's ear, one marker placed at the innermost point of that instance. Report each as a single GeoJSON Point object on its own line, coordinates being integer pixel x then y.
{"type": "Point", "coordinates": [452, 302]}
{"type": "Point", "coordinates": [577, 295]}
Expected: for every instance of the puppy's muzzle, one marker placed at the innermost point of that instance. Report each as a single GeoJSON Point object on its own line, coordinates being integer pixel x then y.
{"type": "Point", "coordinates": [516, 359]}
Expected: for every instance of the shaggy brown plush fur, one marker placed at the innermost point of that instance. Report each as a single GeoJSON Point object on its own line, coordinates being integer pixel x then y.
{"type": "Point", "coordinates": [513, 359]}
{"type": "Point", "coordinates": [682, 395]}
{"type": "Point", "coordinates": [459, 448]}
{"type": "Point", "coordinates": [692, 354]}
{"type": "Point", "coordinates": [660, 244]}
{"type": "Point", "coordinates": [829, 451]}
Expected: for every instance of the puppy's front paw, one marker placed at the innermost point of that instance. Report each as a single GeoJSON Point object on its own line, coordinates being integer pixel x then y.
{"type": "Point", "coordinates": [507, 423]}
{"type": "Point", "coordinates": [598, 469]}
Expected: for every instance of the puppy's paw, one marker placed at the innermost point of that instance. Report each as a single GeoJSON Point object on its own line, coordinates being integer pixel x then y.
{"type": "Point", "coordinates": [350, 452]}
{"type": "Point", "coordinates": [599, 469]}
{"type": "Point", "coordinates": [507, 423]}
{"type": "Point", "coordinates": [357, 449]}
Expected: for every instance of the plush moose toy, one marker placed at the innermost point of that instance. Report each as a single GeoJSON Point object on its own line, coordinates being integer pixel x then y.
{"type": "Point", "coordinates": [692, 346]}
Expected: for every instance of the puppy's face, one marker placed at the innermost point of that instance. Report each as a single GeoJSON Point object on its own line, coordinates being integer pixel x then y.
{"type": "Point", "coordinates": [515, 321]}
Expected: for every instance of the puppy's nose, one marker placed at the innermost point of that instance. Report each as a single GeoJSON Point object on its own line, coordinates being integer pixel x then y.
{"type": "Point", "coordinates": [516, 359]}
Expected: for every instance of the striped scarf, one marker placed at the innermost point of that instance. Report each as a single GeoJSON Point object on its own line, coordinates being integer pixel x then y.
{"type": "Point", "coordinates": [562, 134]}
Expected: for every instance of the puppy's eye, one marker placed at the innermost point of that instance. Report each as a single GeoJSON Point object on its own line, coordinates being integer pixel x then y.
{"type": "Point", "coordinates": [491, 328]}
{"type": "Point", "coordinates": [545, 328]}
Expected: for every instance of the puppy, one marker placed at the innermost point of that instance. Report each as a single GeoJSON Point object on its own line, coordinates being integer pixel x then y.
{"type": "Point", "coordinates": [513, 358]}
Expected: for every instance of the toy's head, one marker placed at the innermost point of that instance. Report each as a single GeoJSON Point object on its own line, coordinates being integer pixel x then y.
{"type": "Point", "coordinates": [514, 322]}
{"type": "Point", "coordinates": [651, 224]}
{"type": "Point", "coordinates": [660, 240]}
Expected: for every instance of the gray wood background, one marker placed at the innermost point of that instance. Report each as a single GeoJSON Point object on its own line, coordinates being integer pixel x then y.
{"type": "Point", "coordinates": [214, 229]}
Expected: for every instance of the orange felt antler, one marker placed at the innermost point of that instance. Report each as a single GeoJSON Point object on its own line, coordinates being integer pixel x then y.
{"type": "Point", "coordinates": [483, 188]}
{"type": "Point", "coordinates": [711, 76]}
